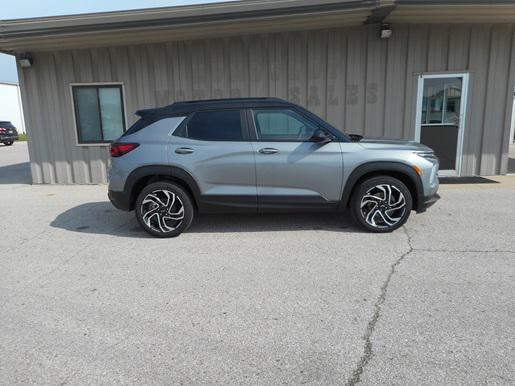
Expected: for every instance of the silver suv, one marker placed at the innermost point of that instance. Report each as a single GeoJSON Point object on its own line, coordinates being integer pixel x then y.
{"type": "Point", "coordinates": [262, 155]}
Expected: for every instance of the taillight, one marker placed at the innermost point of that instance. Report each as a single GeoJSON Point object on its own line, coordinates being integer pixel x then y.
{"type": "Point", "coordinates": [2, 130]}
{"type": "Point", "coordinates": [119, 149]}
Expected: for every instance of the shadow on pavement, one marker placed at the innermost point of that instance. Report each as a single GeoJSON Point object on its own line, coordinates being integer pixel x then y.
{"type": "Point", "coordinates": [15, 174]}
{"type": "Point", "coordinates": [465, 180]}
{"type": "Point", "coordinates": [103, 218]}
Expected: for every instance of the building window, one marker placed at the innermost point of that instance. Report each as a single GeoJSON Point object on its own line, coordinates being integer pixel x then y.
{"type": "Point", "coordinates": [99, 113]}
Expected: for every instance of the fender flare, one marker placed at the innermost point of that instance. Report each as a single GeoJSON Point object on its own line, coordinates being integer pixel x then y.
{"type": "Point", "coordinates": [378, 167]}
{"type": "Point", "coordinates": [160, 170]}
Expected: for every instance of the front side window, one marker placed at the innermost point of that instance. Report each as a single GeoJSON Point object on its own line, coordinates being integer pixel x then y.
{"type": "Point", "coordinates": [221, 125]}
{"type": "Point", "coordinates": [282, 125]}
{"type": "Point", "coordinates": [99, 114]}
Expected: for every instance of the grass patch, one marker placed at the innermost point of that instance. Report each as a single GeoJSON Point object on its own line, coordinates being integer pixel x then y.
{"type": "Point", "coordinates": [22, 137]}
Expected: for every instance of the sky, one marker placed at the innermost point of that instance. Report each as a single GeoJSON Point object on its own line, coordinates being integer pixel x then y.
{"type": "Point", "coordinates": [36, 8]}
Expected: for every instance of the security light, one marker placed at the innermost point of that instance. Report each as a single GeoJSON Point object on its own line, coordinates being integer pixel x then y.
{"type": "Point", "coordinates": [386, 31]}
{"type": "Point", "coordinates": [25, 61]}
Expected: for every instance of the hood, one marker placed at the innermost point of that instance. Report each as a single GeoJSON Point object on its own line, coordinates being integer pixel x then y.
{"type": "Point", "coordinates": [387, 144]}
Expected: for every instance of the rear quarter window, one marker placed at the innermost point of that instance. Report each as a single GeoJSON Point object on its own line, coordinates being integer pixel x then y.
{"type": "Point", "coordinates": [139, 125]}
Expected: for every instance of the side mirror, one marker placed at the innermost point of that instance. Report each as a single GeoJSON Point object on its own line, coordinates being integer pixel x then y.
{"type": "Point", "coordinates": [321, 136]}
{"type": "Point", "coordinates": [355, 137]}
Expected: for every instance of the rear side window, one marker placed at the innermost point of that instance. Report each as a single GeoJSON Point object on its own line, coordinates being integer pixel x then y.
{"type": "Point", "coordinates": [222, 125]}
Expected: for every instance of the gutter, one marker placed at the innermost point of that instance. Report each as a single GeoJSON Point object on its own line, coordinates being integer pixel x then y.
{"type": "Point", "coordinates": [178, 20]}
{"type": "Point", "coordinates": [121, 26]}
{"type": "Point", "coordinates": [454, 2]}
{"type": "Point", "coordinates": [6, 83]}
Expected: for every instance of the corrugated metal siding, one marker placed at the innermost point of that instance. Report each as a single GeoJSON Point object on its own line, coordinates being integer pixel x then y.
{"type": "Point", "coordinates": [347, 75]}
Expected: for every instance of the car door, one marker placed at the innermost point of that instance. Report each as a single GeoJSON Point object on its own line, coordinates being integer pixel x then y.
{"type": "Point", "coordinates": [214, 148]}
{"type": "Point", "coordinates": [292, 170]}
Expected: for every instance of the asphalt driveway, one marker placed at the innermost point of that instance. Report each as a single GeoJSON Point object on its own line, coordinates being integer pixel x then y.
{"type": "Point", "coordinates": [87, 297]}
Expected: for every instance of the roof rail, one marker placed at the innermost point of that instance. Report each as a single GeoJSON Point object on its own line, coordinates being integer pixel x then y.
{"type": "Point", "coordinates": [204, 103]}
{"type": "Point", "coordinates": [234, 100]}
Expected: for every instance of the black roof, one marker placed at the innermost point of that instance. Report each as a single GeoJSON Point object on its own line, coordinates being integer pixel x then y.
{"type": "Point", "coordinates": [186, 107]}
{"type": "Point", "coordinates": [180, 109]}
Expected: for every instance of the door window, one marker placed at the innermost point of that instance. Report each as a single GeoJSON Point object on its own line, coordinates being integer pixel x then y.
{"type": "Point", "coordinates": [221, 125]}
{"type": "Point", "coordinates": [442, 101]}
{"type": "Point", "coordinates": [283, 125]}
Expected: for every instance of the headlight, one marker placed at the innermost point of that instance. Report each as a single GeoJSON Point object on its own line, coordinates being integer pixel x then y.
{"type": "Point", "coordinates": [428, 155]}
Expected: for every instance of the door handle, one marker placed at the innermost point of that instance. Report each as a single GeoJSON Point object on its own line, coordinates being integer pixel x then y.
{"type": "Point", "coordinates": [184, 150]}
{"type": "Point", "coordinates": [268, 150]}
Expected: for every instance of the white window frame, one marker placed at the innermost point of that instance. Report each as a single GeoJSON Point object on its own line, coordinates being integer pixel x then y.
{"type": "Point", "coordinates": [463, 114]}
{"type": "Point", "coordinates": [75, 123]}
{"type": "Point", "coordinates": [512, 127]}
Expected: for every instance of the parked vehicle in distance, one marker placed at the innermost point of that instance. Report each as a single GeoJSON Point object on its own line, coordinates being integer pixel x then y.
{"type": "Point", "coordinates": [262, 155]}
{"type": "Point", "coordinates": [8, 133]}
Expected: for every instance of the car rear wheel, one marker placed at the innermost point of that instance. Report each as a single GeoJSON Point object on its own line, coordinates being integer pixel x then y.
{"type": "Point", "coordinates": [164, 209]}
{"type": "Point", "coordinates": [381, 204]}
{"type": "Point", "coordinates": [8, 143]}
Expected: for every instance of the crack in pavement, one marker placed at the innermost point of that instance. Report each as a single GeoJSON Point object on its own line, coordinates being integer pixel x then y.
{"type": "Point", "coordinates": [355, 378]}
{"type": "Point", "coordinates": [368, 350]}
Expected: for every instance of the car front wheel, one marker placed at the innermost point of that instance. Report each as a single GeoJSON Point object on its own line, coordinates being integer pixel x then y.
{"type": "Point", "coordinates": [164, 209]}
{"type": "Point", "coordinates": [381, 204]}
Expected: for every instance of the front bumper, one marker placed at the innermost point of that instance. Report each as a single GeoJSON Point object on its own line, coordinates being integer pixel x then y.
{"type": "Point", "coordinates": [425, 202]}
{"type": "Point", "coordinates": [120, 200]}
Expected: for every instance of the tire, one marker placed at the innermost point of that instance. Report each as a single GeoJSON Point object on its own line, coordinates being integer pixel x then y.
{"type": "Point", "coordinates": [8, 143]}
{"type": "Point", "coordinates": [381, 204]}
{"type": "Point", "coordinates": [158, 209]}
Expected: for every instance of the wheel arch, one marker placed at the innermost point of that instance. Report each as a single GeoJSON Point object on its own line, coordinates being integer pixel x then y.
{"type": "Point", "coordinates": [144, 175]}
{"type": "Point", "coordinates": [399, 170]}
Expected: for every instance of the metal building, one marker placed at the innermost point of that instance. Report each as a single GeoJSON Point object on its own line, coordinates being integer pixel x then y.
{"type": "Point", "coordinates": [444, 77]}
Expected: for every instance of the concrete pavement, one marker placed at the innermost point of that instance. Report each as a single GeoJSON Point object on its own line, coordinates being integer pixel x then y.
{"type": "Point", "coordinates": [87, 297]}
{"type": "Point", "coordinates": [14, 163]}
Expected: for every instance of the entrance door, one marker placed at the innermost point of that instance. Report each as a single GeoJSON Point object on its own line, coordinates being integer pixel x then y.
{"type": "Point", "coordinates": [441, 105]}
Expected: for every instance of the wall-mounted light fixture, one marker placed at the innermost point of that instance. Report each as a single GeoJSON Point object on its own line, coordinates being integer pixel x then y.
{"type": "Point", "coordinates": [386, 31]}
{"type": "Point", "coordinates": [25, 60]}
